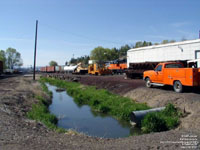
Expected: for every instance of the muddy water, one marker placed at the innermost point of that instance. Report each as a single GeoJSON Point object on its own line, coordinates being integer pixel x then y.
{"type": "Point", "coordinates": [83, 119]}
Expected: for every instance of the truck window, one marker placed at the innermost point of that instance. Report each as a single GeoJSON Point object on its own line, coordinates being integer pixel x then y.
{"type": "Point", "coordinates": [173, 66]}
{"type": "Point", "coordinates": [159, 68]}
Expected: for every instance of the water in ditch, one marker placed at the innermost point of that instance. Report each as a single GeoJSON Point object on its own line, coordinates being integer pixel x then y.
{"type": "Point", "coordinates": [83, 119]}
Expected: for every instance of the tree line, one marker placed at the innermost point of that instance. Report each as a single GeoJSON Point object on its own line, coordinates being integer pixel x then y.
{"type": "Point", "coordinates": [10, 58]}
{"type": "Point", "coordinates": [101, 54]}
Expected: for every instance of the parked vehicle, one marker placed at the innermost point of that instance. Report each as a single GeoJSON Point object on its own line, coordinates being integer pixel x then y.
{"type": "Point", "coordinates": [146, 58]}
{"type": "Point", "coordinates": [118, 66]}
{"type": "Point", "coordinates": [172, 74]}
{"type": "Point", "coordinates": [98, 69]}
{"type": "Point", "coordinates": [80, 69]}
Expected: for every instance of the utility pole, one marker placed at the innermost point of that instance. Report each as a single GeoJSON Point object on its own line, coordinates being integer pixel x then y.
{"type": "Point", "coordinates": [199, 34]}
{"type": "Point", "coordinates": [35, 49]}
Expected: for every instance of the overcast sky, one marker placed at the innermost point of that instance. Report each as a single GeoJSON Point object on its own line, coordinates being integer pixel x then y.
{"type": "Point", "coordinates": [68, 27]}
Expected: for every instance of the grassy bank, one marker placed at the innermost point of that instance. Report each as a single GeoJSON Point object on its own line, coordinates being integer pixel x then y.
{"type": "Point", "coordinates": [99, 100]}
{"type": "Point", "coordinates": [103, 101]}
{"type": "Point", "coordinates": [161, 121]}
{"type": "Point", "coordinates": [41, 113]}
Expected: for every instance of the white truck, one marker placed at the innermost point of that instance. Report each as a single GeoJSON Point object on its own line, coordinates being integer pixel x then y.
{"type": "Point", "coordinates": [146, 58]}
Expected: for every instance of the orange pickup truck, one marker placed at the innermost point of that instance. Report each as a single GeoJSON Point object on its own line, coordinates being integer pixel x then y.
{"type": "Point", "coordinates": [172, 73]}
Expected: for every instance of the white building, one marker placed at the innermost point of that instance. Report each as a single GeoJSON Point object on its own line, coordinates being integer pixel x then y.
{"type": "Point", "coordinates": [184, 51]}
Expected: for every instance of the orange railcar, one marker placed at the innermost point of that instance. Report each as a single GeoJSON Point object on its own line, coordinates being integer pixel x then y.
{"type": "Point", "coordinates": [117, 67]}
{"type": "Point", "coordinates": [49, 69]}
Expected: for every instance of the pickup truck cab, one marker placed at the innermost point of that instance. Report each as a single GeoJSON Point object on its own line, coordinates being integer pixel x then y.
{"type": "Point", "coordinates": [172, 73]}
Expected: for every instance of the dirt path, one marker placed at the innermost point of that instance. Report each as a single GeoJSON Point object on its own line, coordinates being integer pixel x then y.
{"type": "Point", "coordinates": [18, 132]}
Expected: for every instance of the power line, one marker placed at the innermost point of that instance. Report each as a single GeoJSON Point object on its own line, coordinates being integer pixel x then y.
{"type": "Point", "coordinates": [79, 35]}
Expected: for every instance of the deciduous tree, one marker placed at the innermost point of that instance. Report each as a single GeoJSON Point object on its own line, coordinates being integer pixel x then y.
{"type": "Point", "coordinates": [3, 57]}
{"type": "Point", "coordinates": [13, 58]}
{"type": "Point", "coordinates": [53, 63]}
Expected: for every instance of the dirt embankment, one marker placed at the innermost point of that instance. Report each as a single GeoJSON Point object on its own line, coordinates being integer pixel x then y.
{"type": "Point", "coordinates": [18, 132]}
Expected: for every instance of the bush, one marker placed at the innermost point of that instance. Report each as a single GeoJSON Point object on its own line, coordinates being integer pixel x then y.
{"type": "Point", "coordinates": [161, 121]}
{"type": "Point", "coordinates": [41, 113]}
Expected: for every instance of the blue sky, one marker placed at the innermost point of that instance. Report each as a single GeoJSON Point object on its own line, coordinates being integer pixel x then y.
{"type": "Point", "coordinates": [68, 27]}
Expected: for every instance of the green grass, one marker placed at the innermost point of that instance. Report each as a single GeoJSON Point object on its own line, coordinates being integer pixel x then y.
{"type": "Point", "coordinates": [41, 113]}
{"type": "Point", "coordinates": [99, 100]}
{"type": "Point", "coordinates": [161, 121]}
{"type": "Point", "coordinates": [45, 88]}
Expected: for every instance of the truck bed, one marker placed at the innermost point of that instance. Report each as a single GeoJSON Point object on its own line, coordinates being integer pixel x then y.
{"type": "Point", "coordinates": [187, 76]}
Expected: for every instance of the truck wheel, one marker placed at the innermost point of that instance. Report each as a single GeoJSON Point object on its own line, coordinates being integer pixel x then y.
{"type": "Point", "coordinates": [148, 82]}
{"type": "Point", "coordinates": [178, 87]}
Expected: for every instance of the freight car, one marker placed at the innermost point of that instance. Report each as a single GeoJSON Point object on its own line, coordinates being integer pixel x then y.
{"type": "Point", "coordinates": [146, 58]}
{"type": "Point", "coordinates": [1, 67]}
{"type": "Point", "coordinates": [70, 69]}
{"type": "Point", "coordinates": [48, 69]}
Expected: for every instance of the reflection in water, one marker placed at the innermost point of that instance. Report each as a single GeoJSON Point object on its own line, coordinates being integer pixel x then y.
{"type": "Point", "coordinates": [82, 119]}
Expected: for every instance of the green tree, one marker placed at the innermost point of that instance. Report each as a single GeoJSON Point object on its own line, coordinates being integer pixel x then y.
{"type": "Point", "coordinates": [99, 54]}
{"type": "Point", "coordinates": [138, 44]}
{"type": "Point", "coordinates": [172, 41]}
{"type": "Point", "coordinates": [85, 60]}
{"type": "Point", "coordinates": [13, 58]}
{"type": "Point", "coordinates": [53, 63]}
{"type": "Point", "coordinates": [142, 44]}
{"type": "Point", "coordinates": [3, 57]}
{"type": "Point", "coordinates": [147, 43]}
{"type": "Point", "coordinates": [113, 54]}
{"type": "Point", "coordinates": [165, 41]}
{"type": "Point", "coordinates": [82, 59]}
{"type": "Point", "coordinates": [73, 61]}
{"type": "Point", "coordinates": [123, 50]}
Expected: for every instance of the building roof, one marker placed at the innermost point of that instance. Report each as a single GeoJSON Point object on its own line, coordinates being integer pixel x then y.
{"type": "Point", "coordinates": [165, 45]}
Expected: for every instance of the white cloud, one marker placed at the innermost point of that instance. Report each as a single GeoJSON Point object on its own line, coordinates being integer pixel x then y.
{"type": "Point", "coordinates": [187, 34]}
{"type": "Point", "coordinates": [160, 37]}
{"type": "Point", "coordinates": [16, 39]}
{"type": "Point", "coordinates": [179, 24]}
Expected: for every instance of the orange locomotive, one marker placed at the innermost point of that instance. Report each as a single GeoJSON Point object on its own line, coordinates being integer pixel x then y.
{"type": "Point", "coordinates": [118, 66]}
{"type": "Point", "coordinates": [172, 73]}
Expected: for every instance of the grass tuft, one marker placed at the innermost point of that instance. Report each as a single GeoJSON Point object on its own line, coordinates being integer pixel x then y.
{"type": "Point", "coordinates": [161, 121]}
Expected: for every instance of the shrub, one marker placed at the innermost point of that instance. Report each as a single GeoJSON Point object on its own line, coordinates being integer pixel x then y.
{"type": "Point", "coordinates": [161, 121]}
{"type": "Point", "coordinates": [41, 113]}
